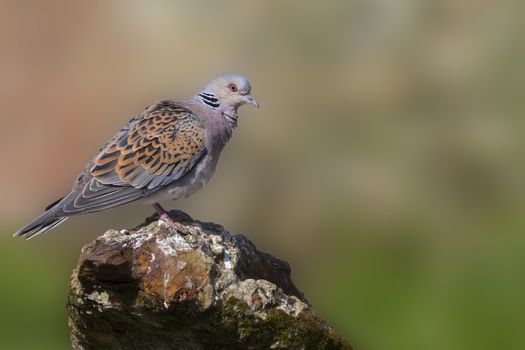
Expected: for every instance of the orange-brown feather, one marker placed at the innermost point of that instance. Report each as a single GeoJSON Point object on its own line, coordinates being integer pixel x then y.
{"type": "Point", "coordinates": [159, 142]}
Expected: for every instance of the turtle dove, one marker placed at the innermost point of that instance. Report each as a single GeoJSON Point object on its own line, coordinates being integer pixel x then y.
{"type": "Point", "coordinates": [170, 150]}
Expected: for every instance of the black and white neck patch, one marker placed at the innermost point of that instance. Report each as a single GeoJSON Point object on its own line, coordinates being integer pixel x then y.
{"type": "Point", "coordinates": [209, 100]}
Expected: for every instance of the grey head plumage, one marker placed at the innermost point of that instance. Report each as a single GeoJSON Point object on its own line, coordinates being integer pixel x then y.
{"type": "Point", "coordinates": [158, 148]}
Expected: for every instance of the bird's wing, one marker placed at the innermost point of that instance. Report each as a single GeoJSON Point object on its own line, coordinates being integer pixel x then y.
{"type": "Point", "coordinates": [157, 147]}
{"type": "Point", "coordinates": [154, 149]}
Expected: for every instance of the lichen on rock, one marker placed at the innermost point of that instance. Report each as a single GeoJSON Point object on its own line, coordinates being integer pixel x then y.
{"type": "Point", "coordinates": [188, 285]}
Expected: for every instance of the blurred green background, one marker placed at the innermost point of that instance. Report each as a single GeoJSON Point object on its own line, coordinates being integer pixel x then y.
{"type": "Point", "coordinates": [386, 163]}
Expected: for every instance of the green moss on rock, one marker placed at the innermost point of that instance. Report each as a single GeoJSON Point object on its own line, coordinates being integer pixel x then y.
{"type": "Point", "coordinates": [279, 330]}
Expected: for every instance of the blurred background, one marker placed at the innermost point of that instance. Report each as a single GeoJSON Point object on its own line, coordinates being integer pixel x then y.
{"type": "Point", "coordinates": [386, 163]}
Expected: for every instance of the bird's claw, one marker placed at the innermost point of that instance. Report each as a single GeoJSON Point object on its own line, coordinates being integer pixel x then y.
{"type": "Point", "coordinates": [167, 218]}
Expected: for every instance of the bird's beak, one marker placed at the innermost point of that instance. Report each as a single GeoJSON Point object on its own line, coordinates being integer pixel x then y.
{"type": "Point", "coordinates": [251, 100]}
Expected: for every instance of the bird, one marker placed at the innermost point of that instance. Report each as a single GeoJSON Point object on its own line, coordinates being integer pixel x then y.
{"type": "Point", "coordinates": [169, 151]}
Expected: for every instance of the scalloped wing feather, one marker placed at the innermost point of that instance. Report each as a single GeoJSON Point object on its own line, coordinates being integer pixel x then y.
{"type": "Point", "coordinates": [154, 149]}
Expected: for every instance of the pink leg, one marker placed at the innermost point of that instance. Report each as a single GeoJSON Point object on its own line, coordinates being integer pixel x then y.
{"type": "Point", "coordinates": [173, 216]}
{"type": "Point", "coordinates": [166, 218]}
{"type": "Point", "coordinates": [163, 215]}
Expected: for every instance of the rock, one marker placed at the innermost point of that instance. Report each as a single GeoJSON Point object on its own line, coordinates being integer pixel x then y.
{"type": "Point", "coordinates": [190, 285]}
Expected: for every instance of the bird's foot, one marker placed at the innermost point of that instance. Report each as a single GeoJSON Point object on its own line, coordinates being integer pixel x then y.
{"type": "Point", "coordinates": [172, 216]}
{"type": "Point", "coordinates": [167, 219]}
{"type": "Point", "coordinates": [176, 216]}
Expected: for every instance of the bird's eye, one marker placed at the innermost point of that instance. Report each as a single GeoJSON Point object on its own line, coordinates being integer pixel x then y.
{"type": "Point", "coordinates": [232, 87]}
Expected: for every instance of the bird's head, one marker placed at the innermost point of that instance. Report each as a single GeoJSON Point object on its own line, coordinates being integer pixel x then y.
{"type": "Point", "coordinates": [229, 91]}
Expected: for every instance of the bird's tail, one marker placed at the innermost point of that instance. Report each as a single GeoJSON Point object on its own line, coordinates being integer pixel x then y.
{"type": "Point", "coordinates": [43, 223]}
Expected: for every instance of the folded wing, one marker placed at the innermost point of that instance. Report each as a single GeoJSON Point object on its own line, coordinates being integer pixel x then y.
{"type": "Point", "coordinates": [154, 149]}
